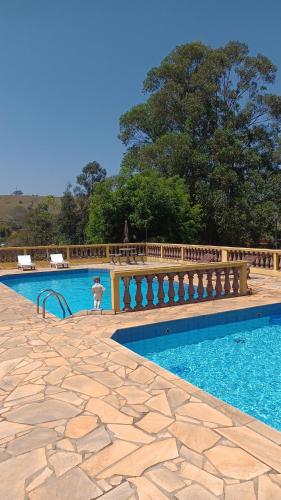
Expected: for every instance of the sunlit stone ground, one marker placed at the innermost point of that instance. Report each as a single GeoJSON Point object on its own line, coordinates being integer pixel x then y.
{"type": "Point", "coordinates": [82, 417]}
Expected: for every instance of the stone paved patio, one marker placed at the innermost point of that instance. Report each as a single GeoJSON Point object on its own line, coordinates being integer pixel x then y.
{"type": "Point", "coordinates": [82, 417]}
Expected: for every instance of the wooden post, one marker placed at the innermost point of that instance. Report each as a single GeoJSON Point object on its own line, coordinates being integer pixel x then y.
{"type": "Point", "coordinates": [115, 293]}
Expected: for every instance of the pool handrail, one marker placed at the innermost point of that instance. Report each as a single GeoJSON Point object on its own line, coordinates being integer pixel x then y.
{"type": "Point", "coordinates": [61, 299]}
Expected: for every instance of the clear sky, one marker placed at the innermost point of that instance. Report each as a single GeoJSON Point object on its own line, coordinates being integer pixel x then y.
{"type": "Point", "coordinates": [70, 68]}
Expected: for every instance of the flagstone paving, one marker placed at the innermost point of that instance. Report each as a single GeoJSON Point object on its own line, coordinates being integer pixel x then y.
{"type": "Point", "coordinates": [81, 417]}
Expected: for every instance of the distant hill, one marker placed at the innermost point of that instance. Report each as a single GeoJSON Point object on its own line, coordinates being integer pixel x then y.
{"type": "Point", "coordinates": [13, 208]}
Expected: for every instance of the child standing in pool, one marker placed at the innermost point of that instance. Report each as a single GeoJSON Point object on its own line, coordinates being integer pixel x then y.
{"type": "Point", "coordinates": [98, 291]}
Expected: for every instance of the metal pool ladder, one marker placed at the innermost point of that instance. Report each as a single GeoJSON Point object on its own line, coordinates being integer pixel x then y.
{"type": "Point", "coordinates": [60, 298]}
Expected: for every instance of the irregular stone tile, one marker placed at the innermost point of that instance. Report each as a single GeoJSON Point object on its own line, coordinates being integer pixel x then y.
{"type": "Point", "coordinates": [236, 415]}
{"type": "Point", "coordinates": [147, 490]}
{"type": "Point", "coordinates": [142, 375]}
{"type": "Point", "coordinates": [114, 401]}
{"type": "Point", "coordinates": [46, 411]}
{"type": "Point", "coordinates": [8, 365]}
{"type": "Point", "coordinates": [177, 396]}
{"type": "Point", "coordinates": [122, 492]}
{"type": "Point", "coordinates": [16, 470]}
{"type": "Point", "coordinates": [63, 461]}
{"type": "Point", "coordinates": [267, 490]}
{"type": "Point", "coordinates": [10, 429]}
{"type": "Point", "coordinates": [69, 397]}
{"type": "Point", "coordinates": [122, 359]}
{"type": "Point", "coordinates": [161, 383]}
{"type": "Point", "coordinates": [195, 492]}
{"type": "Point", "coordinates": [133, 394]}
{"type": "Point", "coordinates": [203, 412]}
{"type": "Point", "coordinates": [196, 437]}
{"type": "Point", "coordinates": [43, 355]}
{"type": "Point", "coordinates": [109, 379]}
{"type": "Point", "coordinates": [29, 367]}
{"type": "Point", "coordinates": [130, 433]}
{"type": "Point", "coordinates": [79, 426]}
{"type": "Point", "coordinates": [32, 440]}
{"type": "Point", "coordinates": [94, 441]}
{"type": "Point", "coordinates": [235, 463]}
{"type": "Point", "coordinates": [9, 382]}
{"type": "Point", "coordinates": [107, 413]}
{"type": "Point", "coordinates": [65, 444]}
{"type": "Point", "coordinates": [154, 422]}
{"type": "Point", "coordinates": [146, 456]}
{"type": "Point", "coordinates": [85, 385]}
{"type": "Point", "coordinates": [130, 411]}
{"type": "Point", "coordinates": [191, 456]}
{"type": "Point", "coordinates": [74, 485]}
{"type": "Point", "coordinates": [57, 375]}
{"type": "Point", "coordinates": [17, 354]}
{"type": "Point", "coordinates": [244, 491]}
{"type": "Point", "coordinates": [207, 480]}
{"type": "Point", "coordinates": [36, 374]}
{"type": "Point", "coordinates": [43, 476]}
{"type": "Point", "coordinates": [167, 480]}
{"type": "Point", "coordinates": [106, 457]}
{"type": "Point", "coordinates": [160, 403]}
{"type": "Point", "coordinates": [266, 431]}
{"type": "Point", "coordinates": [104, 485]}
{"type": "Point", "coordinates": [267, 451]}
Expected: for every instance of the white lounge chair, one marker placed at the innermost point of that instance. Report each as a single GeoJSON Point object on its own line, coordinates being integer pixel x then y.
{"type": "Point", "coordinates": [57, 260]}
{"type": "Point", "coordinates": [24, 262]}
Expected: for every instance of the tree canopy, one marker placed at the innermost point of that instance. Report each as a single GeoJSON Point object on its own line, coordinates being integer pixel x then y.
{"type": "Point", "coordinates": [162, 205]}
{"type": "Point", "coordinates": [210, 118]}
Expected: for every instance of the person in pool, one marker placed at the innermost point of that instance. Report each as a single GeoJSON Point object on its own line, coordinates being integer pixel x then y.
{"type": "Point", "coordinates": [98, 291]}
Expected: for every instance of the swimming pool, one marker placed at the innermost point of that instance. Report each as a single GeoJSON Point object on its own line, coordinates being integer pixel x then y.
{"type": "Point", "coordinates": [236, 356]}
{"type": "Point", "coordinates": [75, 286]}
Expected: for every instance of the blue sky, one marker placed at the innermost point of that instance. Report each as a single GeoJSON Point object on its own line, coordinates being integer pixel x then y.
{"type": "Point", "coordinates": [70, 68]}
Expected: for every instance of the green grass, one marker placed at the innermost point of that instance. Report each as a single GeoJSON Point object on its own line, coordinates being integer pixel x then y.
{"type": "Point", "coordinates": [13, 208]}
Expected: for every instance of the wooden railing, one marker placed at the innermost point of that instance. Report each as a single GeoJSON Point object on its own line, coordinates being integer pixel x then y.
{"type": "Point", "coordinates": [155, 287]}
{"type": "Point", "coordinates": [261, 260]}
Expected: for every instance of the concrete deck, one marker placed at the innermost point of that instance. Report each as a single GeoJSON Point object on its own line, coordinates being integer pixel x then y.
{"type": "Point", "coordinates": [82, 417]}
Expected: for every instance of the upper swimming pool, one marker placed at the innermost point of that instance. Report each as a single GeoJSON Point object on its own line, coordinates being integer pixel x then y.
{"type": "Point", "coordinates": [236, 356]}
{"type": "Point", "coordinates": [75, 286]}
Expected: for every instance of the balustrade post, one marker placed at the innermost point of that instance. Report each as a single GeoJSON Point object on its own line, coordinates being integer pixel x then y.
{"type": "Point", "coordinates": [181, 288]}
{"type": "Point", "coordinates": [149, 295]}
{"type": "Point", "coordinates": [200, 287]}
{"type": "Point", "coordinates": [115, 292]}
{"type": "Point", "coordinates": [191, 290]}
{"type": "Point", "coordinates": [224, 255]}
{"type": "Point", "coordinates": [171, 290]}
{"type": "Point", "coordinates": [275, 261]}
{"type": "Point", "coordinates": [182, 250]}
{"type": "Point", "coordinates": [67, 253]}
{"type": "Point", "coordinates": [243, 286]}
{"type": "Point", "coordinates": [138, 279]}
{"type": "Point", "coordinates": [127, 296]}
{"type": "Point", "coordinates": [161, 294]}
{"type": "Point", "coordinates": [107, 253]}
{"type": "Point", "coordinates": [218, 287]}
{"type": "Point", "coordinates": [161, 251]}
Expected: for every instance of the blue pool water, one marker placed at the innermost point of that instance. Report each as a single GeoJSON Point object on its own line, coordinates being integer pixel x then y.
{"type": "Point", "coordinates": [75, 286]}
{"type": "Point", "coordinates": [235, 356]}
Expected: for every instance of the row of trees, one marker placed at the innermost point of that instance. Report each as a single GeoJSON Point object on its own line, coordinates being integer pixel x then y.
{"type": "Point", "coordinates": [202, 161]}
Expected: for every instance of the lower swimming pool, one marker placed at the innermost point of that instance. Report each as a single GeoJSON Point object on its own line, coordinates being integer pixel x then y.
{"type": "Point", "coordinates": [236, 356]}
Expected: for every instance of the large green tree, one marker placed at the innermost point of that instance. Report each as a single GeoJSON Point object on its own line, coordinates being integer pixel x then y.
{"type": "Point", "coordinates": [210, 118]}
{"type": "Point", "coordinates": [150, 203]}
